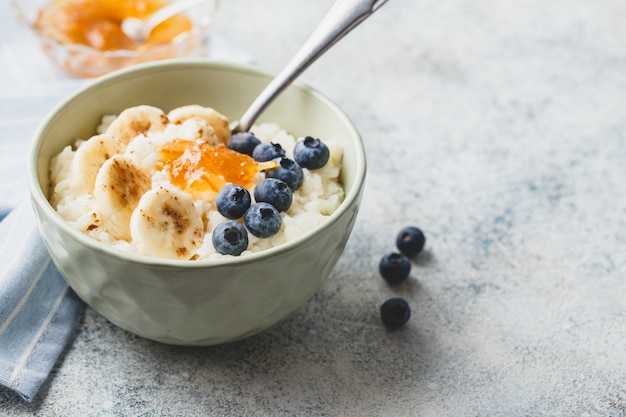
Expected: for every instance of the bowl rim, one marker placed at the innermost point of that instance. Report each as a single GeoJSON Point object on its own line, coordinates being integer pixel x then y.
{"type": "Point", "coordinates": [39, 199]}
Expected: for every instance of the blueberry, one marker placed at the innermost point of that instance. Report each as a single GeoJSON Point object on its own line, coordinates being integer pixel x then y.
{"type": "Point", "coordinates": [262, 220]}
{"type": "Point", "coordinates": [395, 312]}
{"type": "Point", "coordinates": [311, 153]}
{"type": "Point", "coordinates": [289, 171]}
{"type": "Point", "coordinates": [275, 192]}
{"type": "Point", "coordinates": [395, 267]}
{"type": "Point", "coordinates": [410, 241]}
{"type": "Point", "coordinates": [268, 151]}
{"type": "Point", "coordinates": [230, 238]}
{"type": "Point", "coordinates": [232, 201]}
{"type": "Point", "coordinates": [243, 142]}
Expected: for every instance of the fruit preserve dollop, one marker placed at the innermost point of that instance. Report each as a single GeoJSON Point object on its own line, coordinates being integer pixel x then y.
{"type": "Point", "coordinates": [200, 166]}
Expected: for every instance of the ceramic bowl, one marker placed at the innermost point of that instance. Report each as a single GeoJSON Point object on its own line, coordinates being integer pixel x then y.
{"type": "Point", "coordinates": [195, 302]}
{"type": "Point", "coordinates": [86, 61]}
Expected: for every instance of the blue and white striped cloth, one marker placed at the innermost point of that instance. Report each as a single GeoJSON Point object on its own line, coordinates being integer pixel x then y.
{"type": "Point", "coordinates": [38, 311]}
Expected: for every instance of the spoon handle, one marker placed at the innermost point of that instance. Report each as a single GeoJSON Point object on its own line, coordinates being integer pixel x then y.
{"type": "Point", "coordinates": [344, 16]}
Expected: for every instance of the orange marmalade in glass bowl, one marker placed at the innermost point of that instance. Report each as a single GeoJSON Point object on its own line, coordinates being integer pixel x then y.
{"type": "Point", "coordinates": [86, 39]}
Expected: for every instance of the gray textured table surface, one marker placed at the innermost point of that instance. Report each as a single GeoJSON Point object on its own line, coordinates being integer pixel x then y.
{"type": "Point", "coordinates": [499, 128]}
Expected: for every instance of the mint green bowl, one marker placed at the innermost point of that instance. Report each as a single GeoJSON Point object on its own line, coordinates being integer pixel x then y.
{"type": "Point", "coordinates": [195, 302]}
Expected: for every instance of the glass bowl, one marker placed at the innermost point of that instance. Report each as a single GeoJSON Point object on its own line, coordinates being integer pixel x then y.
{"type": "Point", "coordinates": [87, 61]}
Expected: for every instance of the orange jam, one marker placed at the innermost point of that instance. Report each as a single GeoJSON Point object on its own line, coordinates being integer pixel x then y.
{"type": "Point", "coordinates": [201, 167]}
{"type": "Point", "coordinates": [97, 23]}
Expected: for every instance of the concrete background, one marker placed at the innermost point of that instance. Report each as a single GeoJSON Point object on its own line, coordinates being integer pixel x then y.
{"type": "Point", "coordinates": [499, 128]}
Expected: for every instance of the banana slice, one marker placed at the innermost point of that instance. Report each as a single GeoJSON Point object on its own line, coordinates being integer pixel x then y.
{"type": "Point", "coordinates": [89, 158]}
{"type": "Point", "coordinates": [216, 120]}
{"type": "Point", "coordinates": [135, 121]}
{"type": "Point", "coordinates": [120, 183]}
{"type": "Point", "coordinates": [166, 224]}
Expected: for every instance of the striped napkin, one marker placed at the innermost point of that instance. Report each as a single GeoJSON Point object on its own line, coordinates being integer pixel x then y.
{"type": "Point", "coordinates": [38, 311]}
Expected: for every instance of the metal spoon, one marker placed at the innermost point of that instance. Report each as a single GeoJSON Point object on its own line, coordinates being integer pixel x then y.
{"type": "Point", "coordinates": [344, 16]}
{"type": "Point", "coordinates": [139, 29]}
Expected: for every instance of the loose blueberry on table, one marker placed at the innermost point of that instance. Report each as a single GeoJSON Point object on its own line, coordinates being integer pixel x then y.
{"type": "Point", "coordinates": [230, 238]}
{"type": "Point", "coordinates": [394, 267]}
{"type": "Point", "coordinates": [410, 241]}
{"type": "Point", "coordinates": [395, 312]}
